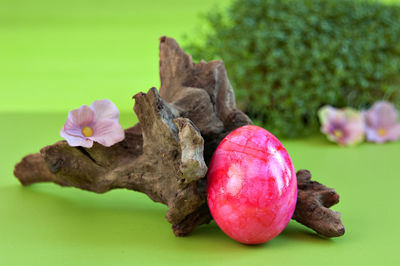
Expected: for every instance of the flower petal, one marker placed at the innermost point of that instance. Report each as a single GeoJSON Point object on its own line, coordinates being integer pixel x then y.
{"type": "Point", "coordinates": [82, 116]}
{"type": "Point", "coordinates": [76, 140]}
{"type": "Point", "coordinates": [330, 119]}
{"type": "Point", "coordinates": [393, 133]}
{"type": "Point", "coordinates": [105, 109]}
{"type": "Point", "coordinates": [353, 115]}
{"type": "Point", "coordinates": [325, 114]}
{"type": "Point", "coordinates": [372, 135]}
{"type": "Point", "coordinates": [354, 129]}
{"type": "Point", "coordinates": [71, 127]}
{"type": "Point", "coordinates": [343, 126]}
{"type": "Point", "coordinates": [73, 131]}
{"type": "Point", "coordinates": [382, 115]}
{"type": "Point", "coordinates": [107, 132]}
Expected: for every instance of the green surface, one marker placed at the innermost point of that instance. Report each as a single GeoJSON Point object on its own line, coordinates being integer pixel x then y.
{"type": "Point", "coordinates": [55, 56]}
{"type": "Point", "coordinates": [45, 224]}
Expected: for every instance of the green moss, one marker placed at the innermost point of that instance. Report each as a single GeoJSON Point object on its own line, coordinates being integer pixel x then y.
{"type": "Point", "coordinates": [287, 58]}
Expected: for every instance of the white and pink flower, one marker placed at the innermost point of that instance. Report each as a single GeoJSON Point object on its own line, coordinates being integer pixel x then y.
{"type": "Point", "coordinates": [97, 122]}
{"type": "Point", "coordinates": [382, 123]}
{"type": "Point", "coordinates": [343, 126]}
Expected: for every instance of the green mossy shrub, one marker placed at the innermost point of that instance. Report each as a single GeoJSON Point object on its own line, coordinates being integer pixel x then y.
{"type": "Point", "coordinates": [287, 58]}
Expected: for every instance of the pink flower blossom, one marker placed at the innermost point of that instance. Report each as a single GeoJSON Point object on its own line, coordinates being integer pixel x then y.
{"type": "Point", "coordinates": [97, 122]}
{"type": "Point", "coordinates": [343, 126]}
{"type": "Point", "coordinates": [382, 123]}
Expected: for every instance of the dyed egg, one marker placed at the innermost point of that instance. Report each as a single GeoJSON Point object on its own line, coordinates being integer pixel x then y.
{"type": "Point", "coordinates": [251, 185]}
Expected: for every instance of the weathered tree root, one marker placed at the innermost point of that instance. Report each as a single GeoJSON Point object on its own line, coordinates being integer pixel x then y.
{"type": "Point", "coordinates": [162, 156]}
{"type": "Point", "coordinates": [312, 207]}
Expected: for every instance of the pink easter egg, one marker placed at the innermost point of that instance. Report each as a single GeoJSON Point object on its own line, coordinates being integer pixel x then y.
{"type": "Point", "coordinates": [251, 185]}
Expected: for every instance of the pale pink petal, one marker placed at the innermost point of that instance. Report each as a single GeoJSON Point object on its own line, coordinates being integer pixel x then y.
{"type": "Point", "coordinates": [354, 131]}
{"type": "Point", "coordinates": [373, 136]}
{"type": "Point", "coordinates": [381, 115]}
{"type": "Point", "coordinates": [329, 118]}
{"type": "Point", "coordinates": [107, 132]}
{"type": "Point", "coordinates": [77, 119]}
{"type": "Point", "coordinates": [344, 126]}
{"type": "Point", "coordinates": [372, 119]}
{"type": "Point", "coordinates": [382, 123]}
{"type": "Point", "coordinates": [102, 116]}
{"type": "Point", "coordinates": [76, 140]}
{"type": "Point", "coordinates": [71, 127]}
{"type": "Point", "coordinates": [393, 133]}
{"type": "Point", "coordinates": [105, 109]}
{"type": "Point", "coordinates": [82, 116]}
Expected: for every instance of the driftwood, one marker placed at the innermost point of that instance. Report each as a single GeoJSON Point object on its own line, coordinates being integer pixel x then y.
{"type": "Point", "coordinates": [166, 154]}
{"type": "Point", "coordinates": [312, 207]}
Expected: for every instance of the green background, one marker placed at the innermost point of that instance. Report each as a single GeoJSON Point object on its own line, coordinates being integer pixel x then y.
{"type": "Point", "coordinates": [57, 55]}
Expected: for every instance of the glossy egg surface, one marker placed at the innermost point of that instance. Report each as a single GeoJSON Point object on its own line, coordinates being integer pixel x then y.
{"type": "Point", "coordinates": [251, 185]}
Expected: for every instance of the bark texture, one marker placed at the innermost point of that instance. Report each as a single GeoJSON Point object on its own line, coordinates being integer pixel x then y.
{"type": "Point", "coordinates": [166, 154]}
{"type": "Point", "coordinates": [312, 207]}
